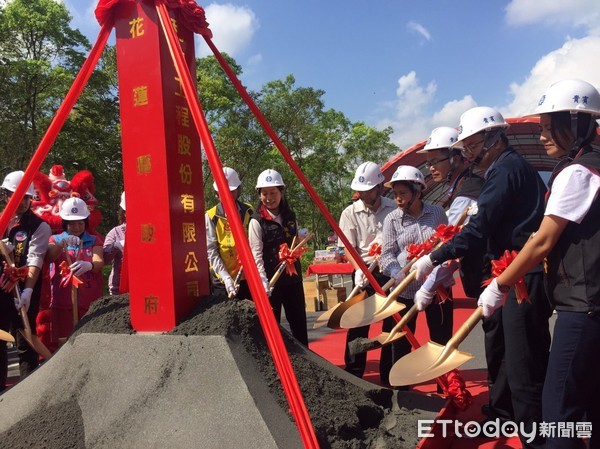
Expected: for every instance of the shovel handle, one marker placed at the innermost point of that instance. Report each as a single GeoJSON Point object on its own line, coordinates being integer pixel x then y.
{"type": "Point", "coordinates": [399, 289]}
{"type": "Point", "coordinates": [403, 322]}
{"type": "Point", "coordinates": [283, 265]}
{"type": "Point", "coordinates": [459, 336]}
{"type": "Point", "coordinates": [236, 282]}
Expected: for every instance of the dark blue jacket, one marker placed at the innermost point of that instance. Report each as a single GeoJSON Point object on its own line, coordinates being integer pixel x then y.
{"type": "Point", "coordinates": [511, 208]}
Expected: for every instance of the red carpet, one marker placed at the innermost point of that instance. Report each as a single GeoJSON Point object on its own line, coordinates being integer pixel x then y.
{"type": "Point", "coordinates": [331, 347]}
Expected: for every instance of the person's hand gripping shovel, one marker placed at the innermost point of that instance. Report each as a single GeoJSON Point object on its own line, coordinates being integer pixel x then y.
{"type": "Point", "coordinates": [31, 338]}
{"type": "Point", "coordinates": [287, 258]}
{"type": "Point", "coordinates": [236, 283]}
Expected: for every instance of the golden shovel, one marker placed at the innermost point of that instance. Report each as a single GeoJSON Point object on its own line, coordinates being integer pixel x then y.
{"type": "Point", "coordinates": [432, 359]}
{"type": "Point", "coordinates": [376, 307]}
{"type": "Point", "coordinates": [236, 283]}
{"type": "Point", "coordinates": [31, 338]}
{"type": "Point", "coordinates": [283, 265]}
{"type": "Point", "coordinates": [324, 318]}
{"type": "Point", "coordinates": [5, 336]}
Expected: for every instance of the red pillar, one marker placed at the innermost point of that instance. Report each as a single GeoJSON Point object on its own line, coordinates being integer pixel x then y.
{"type": "Point", "coordinates": [162, 166]}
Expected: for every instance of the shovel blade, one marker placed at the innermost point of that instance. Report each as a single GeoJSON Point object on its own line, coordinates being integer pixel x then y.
{"type": "Point", "coordinates": [5, 336]}
{"type": "Point", "coordinates": [418, 366]}
{"type": "Point", "coordinates": [337, 312]}
{"type": "Point", "coordinates": [369, 311]}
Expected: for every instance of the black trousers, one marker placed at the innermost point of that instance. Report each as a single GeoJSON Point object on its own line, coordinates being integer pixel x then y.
{"type": "Point", "coordinates": [571, 390]}
{"type": "Point", "coordinates": [517, 343]}
{"type": "Point", "coordinates": [291, 297]}
{"type": "Point", "coordinates": [356, 363]}
{"type": "Point", "coordinates": [440, 319]}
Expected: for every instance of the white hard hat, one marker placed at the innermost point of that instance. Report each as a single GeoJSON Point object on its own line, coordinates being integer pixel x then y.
{"type": "Point", "coordinates": [269, 178]}
{"type": "Point", "coordinates": [569, 95]}
{"type": "Point", "coordinates": [74, 208]}
{"type": "Point", "coordinates": [440, 138]}
{"type": "Point", "coordinates": [475, 120]}
{"type": "Point", "coordinates": [407, 173]}
{"type": "Point", "coordinates": [367, 176]}
{"type": "Point", "coordinates": [12, 180]}
{"type": "Point", "coordinates": [233, 179]}
{"type": "Point", "coordinates": [122, 203]}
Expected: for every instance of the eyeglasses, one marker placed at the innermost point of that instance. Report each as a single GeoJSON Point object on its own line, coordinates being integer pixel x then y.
{"type": "Point", "coordinates": [470, 148]}
{"type": "Point", "coordinates": [430, 164]}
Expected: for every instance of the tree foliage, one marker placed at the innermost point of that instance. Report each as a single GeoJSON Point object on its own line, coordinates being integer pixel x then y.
{"type": "Point", "coordinates": [40, 55]}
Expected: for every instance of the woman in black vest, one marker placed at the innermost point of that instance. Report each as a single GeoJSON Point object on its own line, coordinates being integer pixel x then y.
{"type": "Point", "coordinates": [273, 224]}
{"type": "Point", "coordinates": [569, 239]}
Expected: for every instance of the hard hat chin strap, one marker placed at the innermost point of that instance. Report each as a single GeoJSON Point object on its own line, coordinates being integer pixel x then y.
{"type": "Point", "coordinates": [578, 140]}
{"type": "Point", "coordinates": [489, 140]}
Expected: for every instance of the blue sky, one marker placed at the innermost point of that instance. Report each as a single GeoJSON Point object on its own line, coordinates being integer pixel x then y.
{"type": "Point", "coordinates": [411, 65]}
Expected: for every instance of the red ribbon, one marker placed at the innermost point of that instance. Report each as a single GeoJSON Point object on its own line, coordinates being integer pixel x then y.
{"type": "Point", "coordinates": [456, 389]}
{"type": "Point", "coordinates": [11, 275]}
{"type": "Point", "coordinates": [446, 232]}
{"type": "Point", "coordinates": [67, 276]}
{"type": "Point", "coordinates": [498, 267]}
{"type": "Point", "coordinates": [289, 257]}
{"type": "Point", "coordinates": [415, 251]}
{"type": "Point", "coordinates": [192, 16]}
{"type": "Point", "coordinates": [375, 249]}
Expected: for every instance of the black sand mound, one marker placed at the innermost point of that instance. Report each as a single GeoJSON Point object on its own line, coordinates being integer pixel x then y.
{"type": "Point", "coordinates": [346, 412]}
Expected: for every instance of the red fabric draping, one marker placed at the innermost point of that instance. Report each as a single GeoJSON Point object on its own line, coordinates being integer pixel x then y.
{"type": "Point", "coordinates": [457, 390]}
{"type": "Point", "coordinates": [192, 15]}
{"type": "Point", "coordinates": [330, 268]}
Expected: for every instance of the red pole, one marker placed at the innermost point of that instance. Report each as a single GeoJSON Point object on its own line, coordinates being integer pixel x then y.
{"type": "Point", "coordinates": [311, 191]}
{"type": "Point", "coordinates": [267, 319]}
{"type": "Point", "coordinates": [56, 125]}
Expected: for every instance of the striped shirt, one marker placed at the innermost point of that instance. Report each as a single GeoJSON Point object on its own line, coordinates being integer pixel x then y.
{"type": "Point", "coordinates": [397, 236]}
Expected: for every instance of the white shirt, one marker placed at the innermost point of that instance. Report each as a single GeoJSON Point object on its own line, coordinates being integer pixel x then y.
{"type": "Point", "coordinates": [573, 191]}
{"type": "Point", "coordinates": [362, 227]}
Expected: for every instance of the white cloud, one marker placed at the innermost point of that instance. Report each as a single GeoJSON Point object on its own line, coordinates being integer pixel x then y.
{"type": "Point", "coordinates": [232, 26]}
{"type": "Point", "coordinates": [419, 29]}
{"type": "Point", "coordinates": [577, 58]}
{"type": "Point", "coordinates": [412, 120]}
{"type": "Point", "coordinates": [572, 13]}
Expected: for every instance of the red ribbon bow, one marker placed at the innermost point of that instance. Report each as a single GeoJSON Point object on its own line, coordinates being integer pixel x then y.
{"type": "Point", "coordinates": [446, 232]}
{"type": "Point", "coordinates": [289, 257]}
{"type": "Point", "coordinates": [498, 267]}
{"type": "Point", "coordinates": [67, 276]}
{"type": "Point", "coordinates": [375, 249]}
{"type": "Point", "coordinates": [415, 251]}
{"type": "Point", "coordinates": [456, 389]}
{"type": "Point", "coordinates": [11, 275]}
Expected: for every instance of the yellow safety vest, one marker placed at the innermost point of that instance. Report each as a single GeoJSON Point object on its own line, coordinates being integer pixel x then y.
{"type": "Point", "coordinates": [225, 241]}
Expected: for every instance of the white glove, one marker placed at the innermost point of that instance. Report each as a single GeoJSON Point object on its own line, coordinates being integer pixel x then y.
{"type": "Point", "coordinates": [80, 267]}
{"type": "Point", "coordinates": [423, 298]}
{"type": "Point", "coordinates": [423, 266]}
{"type": "Point", "coordinates": [119, 244]}
{"type": "Point", "coordinates": [8, 245]}
{"type": "Point", "coordinates": [72, 241]}
{"type": "Point", "coordinates": [265, 282]}
{"type": "Point", "coordinates": [229, 285]}
{"type": "Point", "coordinates": [491, 299]}
{"type": "Point", "coordinates": [359, 279]}
{"type": "Point", "coordinates": [398, 275]}
{"type": "Point", "coordinates": [472, 209]}
{"type": "Point", "coordinates": [25, 299]}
